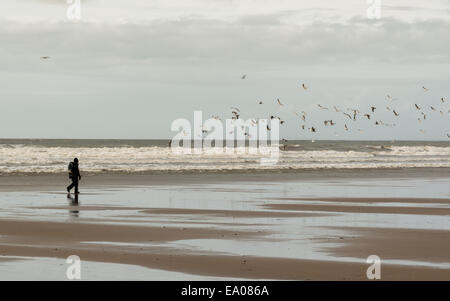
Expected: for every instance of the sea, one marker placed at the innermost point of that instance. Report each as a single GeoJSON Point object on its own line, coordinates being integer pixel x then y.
{"type": "Point", "coordinates": [36, 156]}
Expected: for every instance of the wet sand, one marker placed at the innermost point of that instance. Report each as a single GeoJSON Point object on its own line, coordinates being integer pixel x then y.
{"type": "Point", "coordinates": [253, 229]}
{"type": "Point", "coordinates": [361, 209]}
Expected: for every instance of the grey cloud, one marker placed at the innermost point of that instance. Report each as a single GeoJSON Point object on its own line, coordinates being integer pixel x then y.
{"type": "Point", "coordinates": [359, 40]}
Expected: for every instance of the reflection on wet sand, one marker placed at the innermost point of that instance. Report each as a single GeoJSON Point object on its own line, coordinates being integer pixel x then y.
{"type": "Point", "coordinates": [261, 229]}
{"type": "Point", "coordinates": [73, 203]}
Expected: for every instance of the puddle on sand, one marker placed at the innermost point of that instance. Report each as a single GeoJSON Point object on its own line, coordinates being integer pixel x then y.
{"type": "Point", "coordinates": [54, 269]}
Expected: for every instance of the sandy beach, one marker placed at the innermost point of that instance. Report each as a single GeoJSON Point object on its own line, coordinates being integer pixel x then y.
{"type": "Point", "coordinates": [230, 226]}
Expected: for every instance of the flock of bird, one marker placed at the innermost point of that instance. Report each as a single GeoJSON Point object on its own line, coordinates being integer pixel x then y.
{"type": "Point", "coordinates": [351, 115]}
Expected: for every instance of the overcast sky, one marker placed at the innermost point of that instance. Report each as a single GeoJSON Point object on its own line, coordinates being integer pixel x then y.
{"type": "Point", "coordinates": [128, 68]}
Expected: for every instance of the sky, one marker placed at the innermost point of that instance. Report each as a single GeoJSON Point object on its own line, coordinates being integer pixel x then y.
{"type": "Point", "coordinates": [127, 68]}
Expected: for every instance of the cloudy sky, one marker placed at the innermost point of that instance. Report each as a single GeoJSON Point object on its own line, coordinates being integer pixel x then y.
{"type": "Point", "coordinates": [128, 68]}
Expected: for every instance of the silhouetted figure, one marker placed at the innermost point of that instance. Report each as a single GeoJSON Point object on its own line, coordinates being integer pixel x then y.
{"type": "Point", "coordinates": [74, 175]}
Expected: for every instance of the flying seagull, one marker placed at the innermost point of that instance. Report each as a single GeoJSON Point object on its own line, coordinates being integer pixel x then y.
{"type": "Point", "coordinates": [348, 115]}
{"type": "Point", "coordinates": [304, 86]}
{"type": "Point", "coordinates": [244, 76]}
{"type": "Point", "coordinates": [417, 107]}
{"type": "Point", "coordinates": [279, 102]}
{"type": "Point", "coordinates": [45, 57]}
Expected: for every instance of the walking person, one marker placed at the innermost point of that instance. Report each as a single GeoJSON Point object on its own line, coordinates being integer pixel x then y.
{"type": "Point", "coordinates": [74, 175]}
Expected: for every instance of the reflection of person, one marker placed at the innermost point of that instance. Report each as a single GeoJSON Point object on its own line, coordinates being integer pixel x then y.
{"type": "Point", "coordinates": [74, 175]}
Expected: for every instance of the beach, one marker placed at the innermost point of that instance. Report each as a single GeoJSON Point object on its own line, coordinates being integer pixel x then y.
{"type": "Point", "coordinates": [258, 225]}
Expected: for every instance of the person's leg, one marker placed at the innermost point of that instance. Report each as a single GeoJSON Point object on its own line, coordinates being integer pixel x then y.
{"type": "Point", "coordinates": [75, 183]}
{"type": "Point", "coordinates": [70, 186]}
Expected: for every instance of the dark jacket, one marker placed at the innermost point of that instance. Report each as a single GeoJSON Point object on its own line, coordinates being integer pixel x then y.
{"type": "Point", "coordinates": [75, 172]}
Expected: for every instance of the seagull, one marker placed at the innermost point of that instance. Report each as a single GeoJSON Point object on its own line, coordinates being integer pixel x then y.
{"type": "Point", "coordinates": [279, 102]}
{"type": "Point", "coordinates": [322, 107]}
{"type": "Point", "coordinates": [423, 87]}
{"type": "Point", "coordinates": [373, 109]}
{"type": "Point", "coordinates": [313, 129]}
{"type": "Point", "coordinates": [417, 107]}
{"type": "Point", "coordinates": [348, 115]}
{"type": "Point", "coordinates": [332, 123]}
{"type": "Point", "coordinates": [346, 128]}
{"type": "Point", "coordinates": [326, 122]}
{"type": "Point", "coordinates": [389, 97]}
{"type": "Point", "coordinates": [260, 102]}
{"type": "Point", "coordinates": [304, 86]}
{"type": "Point", "coordinates": [45, 57]}
{"type": "Point", "coordinates": [442, 99]}
{"type": "Point", "coordinates": [432, 108]}
{"type": "Point", "coordinates": [395, 113]}
{"type": "Point", "coordinates": [424, 116]}
{"type": "Point", "coordinates": [367, 115]}
{"type": "Point", "coordinates": [244, 76]}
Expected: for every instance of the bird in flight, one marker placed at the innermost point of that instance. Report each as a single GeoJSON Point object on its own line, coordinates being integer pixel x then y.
{"type": "Point", "coordinates": [279, 102]}
{"type": "Point", "coordinates": [367, 115]}
{"type": "Point", "coordinates": [244, 76]}
{"type": "Point", "coordinates": [260, 102]}
{"type": "Point", "coordinates": [322, 107]}
{"type": "Point", "coordinates": [442, 99]}
{"type": "Point", "coordinates": [417, 107]}
{"type": "Point", "coordinates": [304, 86]}
{"type": "Point", "coordinates": [423, 87]}
{"type": "Point", "coordinates": [395, 113]}
{"type": "Point", "coordinates": [373, 109]}
{"type": "Point", "coordinates": [45, 57]}
{"type": "Point", "coordinates": [348, 115]}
